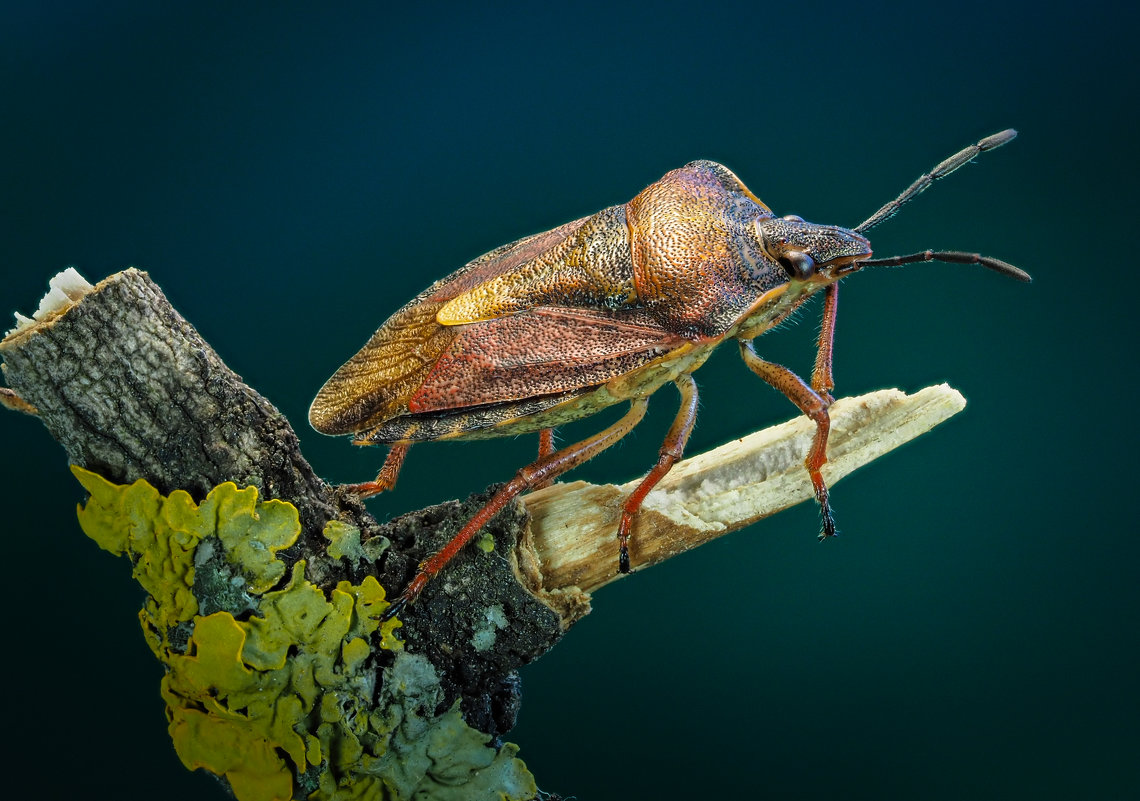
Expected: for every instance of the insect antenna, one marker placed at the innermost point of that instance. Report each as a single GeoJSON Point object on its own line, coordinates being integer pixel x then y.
{"type": "Point", "coordinates": [941, 171]}
{"type": "Point", "coordinates": [951, 257]}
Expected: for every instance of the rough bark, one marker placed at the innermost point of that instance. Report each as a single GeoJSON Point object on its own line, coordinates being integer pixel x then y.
{"type": "Point", "coordinates": [131, 390]}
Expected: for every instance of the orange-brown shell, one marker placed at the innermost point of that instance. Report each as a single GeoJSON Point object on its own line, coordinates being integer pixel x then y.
{"type": "Point", "coordinates": [533, 323]}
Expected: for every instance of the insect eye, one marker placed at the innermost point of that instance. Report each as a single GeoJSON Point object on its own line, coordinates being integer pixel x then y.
{"type": "Point", "coordinates": [797, 265]}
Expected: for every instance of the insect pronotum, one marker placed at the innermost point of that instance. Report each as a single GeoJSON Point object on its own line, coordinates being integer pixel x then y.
{"type": "Point", "coordinates": [603, 310]}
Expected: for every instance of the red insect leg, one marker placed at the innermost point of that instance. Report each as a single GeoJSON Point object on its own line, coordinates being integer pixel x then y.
{"type": "Point", "coordinates": [814, 406]}
{"type": "Point", "coordinates": [545, 442]}
{"type": "Point", "coordinates": [671, 451]}
{"type": "Point", "coordinates": [822, 381]}
{"type": "Point", "coordinates": [545, 448]}
{"type": "Point", "coordinates": [386, 478]}
{"type": "Point", "coordinates": [544, 469]}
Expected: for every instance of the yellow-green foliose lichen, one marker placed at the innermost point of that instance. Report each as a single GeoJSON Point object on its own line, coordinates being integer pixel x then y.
{"type": "Point", "coordinates": [290, 680]}
{"type": "Point", "coordinates": [344, 543]}
{"type": "Point", "coordinates": [283, 702]}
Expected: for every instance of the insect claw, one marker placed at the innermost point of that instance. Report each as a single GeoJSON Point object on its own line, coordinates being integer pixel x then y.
{"type": "Point", "coordinates": [396, 607]}
{"type": "Point", "coordinates": [623, 559]}
{"type": "Point", "coordinates": [409, 595]}
{"type": "Point", "coordinates": [827, 519]}
{"type": "Point", "coordinates": [624, 527]}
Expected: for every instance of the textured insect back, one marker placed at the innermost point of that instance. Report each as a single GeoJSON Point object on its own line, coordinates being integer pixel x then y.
{"type": "Point", "coordinates": [697, 264]}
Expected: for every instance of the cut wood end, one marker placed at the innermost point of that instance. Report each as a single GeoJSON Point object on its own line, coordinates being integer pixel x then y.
{"type": "Point", "coordinates": [65, 288]}
{"type": "Point", "coordinates": [573, 526]}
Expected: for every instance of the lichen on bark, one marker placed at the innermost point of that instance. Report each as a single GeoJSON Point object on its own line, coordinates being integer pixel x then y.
{"type": "Point", "coordinates": [132, 392]}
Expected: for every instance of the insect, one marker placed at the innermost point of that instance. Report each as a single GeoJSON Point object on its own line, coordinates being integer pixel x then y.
{"type": "Point", "coordinates": [603, 310]}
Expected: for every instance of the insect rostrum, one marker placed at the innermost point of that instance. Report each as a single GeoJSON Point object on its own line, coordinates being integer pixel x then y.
{"type": "Point", "coordinates": [603, 310]}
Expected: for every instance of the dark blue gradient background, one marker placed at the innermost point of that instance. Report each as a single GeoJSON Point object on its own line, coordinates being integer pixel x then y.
{"type": "Point", "coordinates": [291, 176]}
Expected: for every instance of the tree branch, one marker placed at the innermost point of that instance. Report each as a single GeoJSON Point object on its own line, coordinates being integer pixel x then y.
{"type": "Point", "coordinates": [131, 391]}
{"type": "Point", "coordinates": [571, 546]}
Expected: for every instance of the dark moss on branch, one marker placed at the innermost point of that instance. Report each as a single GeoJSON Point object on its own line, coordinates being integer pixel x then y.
{"type": "Point", "coordinates": [475, 622]}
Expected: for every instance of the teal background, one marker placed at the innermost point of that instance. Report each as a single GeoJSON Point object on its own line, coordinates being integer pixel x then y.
{"type": "Point", "coordinates": [291, 176]}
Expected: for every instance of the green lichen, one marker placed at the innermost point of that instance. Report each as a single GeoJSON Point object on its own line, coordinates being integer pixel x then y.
{"type": "Point", "coordinates": [238, 742]}
{"type": "Point", "coordinates": [344, 543]}
{"type": "Point", "coordinates": [160, 535]}
{"type": "Point", "coordinates": [276, 689]}
{"type": "Point", "coordinates": [219, 586]}
{"type": "Point", "coordinates": [428, 756]}
{"type": "Point", "coordinates": [485, 542]}
{"type": "Point", "coordinates": [483, 639]}
{"type": "Point", "coordinates": [266, 679]}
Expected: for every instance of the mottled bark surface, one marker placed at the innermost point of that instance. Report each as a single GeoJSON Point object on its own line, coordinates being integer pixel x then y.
{"type": "Point", "coordinates": [131, 391]}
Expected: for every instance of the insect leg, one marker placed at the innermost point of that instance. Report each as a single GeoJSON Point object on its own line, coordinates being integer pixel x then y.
{"type": "Point", "coordinates": [543, 469]}
{"type": "Point", "coordinates": [386, 478]}
{"type": "Point", "coordinates": [822, 381]}
{"type": "Point", "coordinates": [545, 448]}
{"type": "Point", "coordinates": [672, 449]}
{"type": "Point", "coordinates": [811, 404]}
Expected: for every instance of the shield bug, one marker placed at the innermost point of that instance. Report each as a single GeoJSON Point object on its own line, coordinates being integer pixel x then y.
{"type": "Point", "coordinates": [603, 310]}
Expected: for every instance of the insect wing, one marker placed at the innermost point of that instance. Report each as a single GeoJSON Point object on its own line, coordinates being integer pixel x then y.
{"type": "Point", "coordinates": [543, 351]}
{"type": "Point", "coordinates": [376, 383]}
{"type": "Point", "coordinates": [498, 261]}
